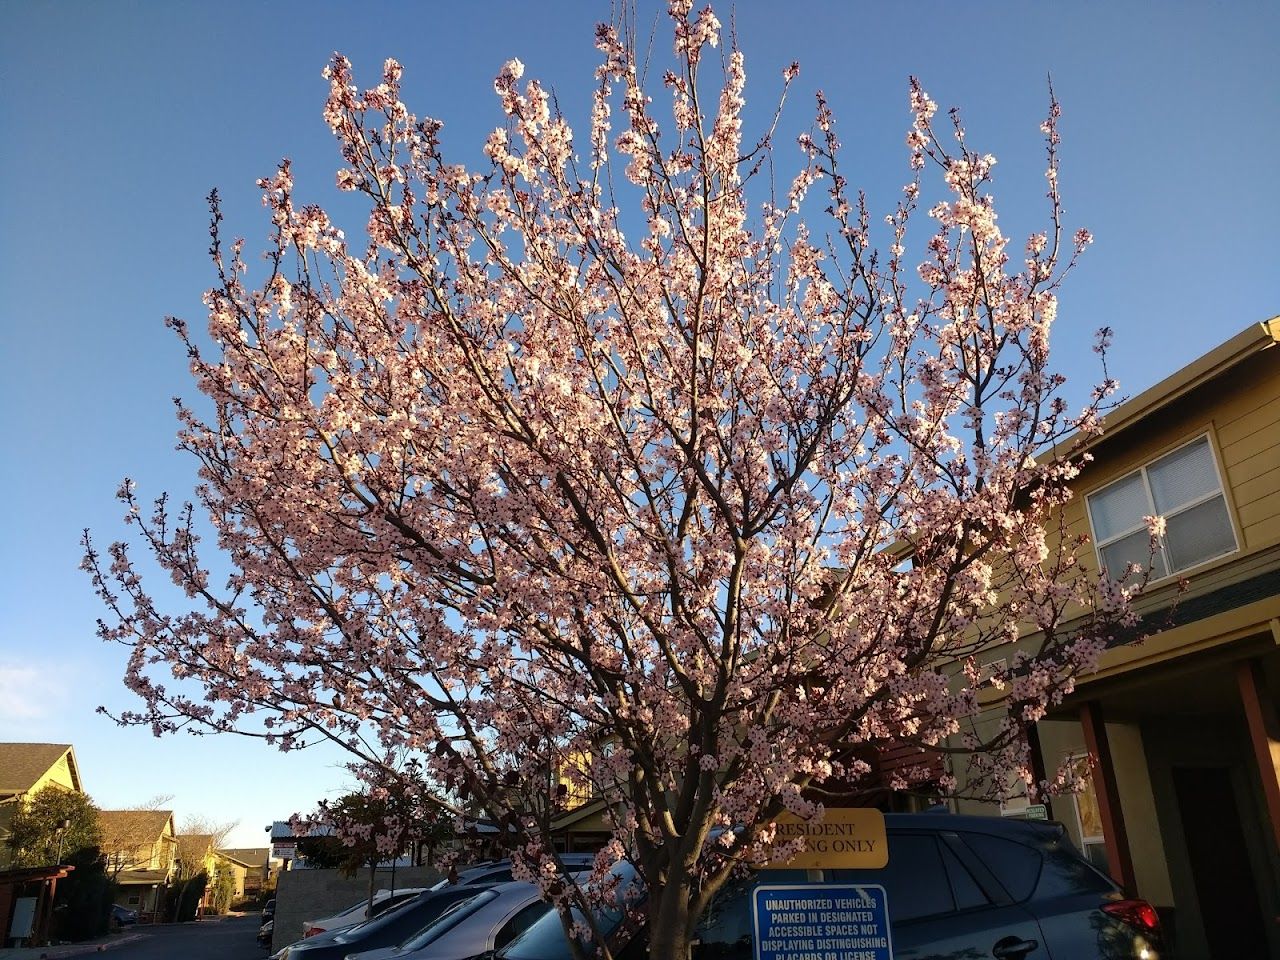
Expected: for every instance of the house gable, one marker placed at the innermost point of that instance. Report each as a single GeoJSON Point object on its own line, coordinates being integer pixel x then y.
{"type": "Point", "coordinates": [139, 839]}
{"type": "Point", "coordinates": [30, 767]}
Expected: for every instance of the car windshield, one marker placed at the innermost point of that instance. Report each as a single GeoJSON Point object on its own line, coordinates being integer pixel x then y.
{"type": "Point", "coordinates": [546, 939]}
{"type": "Point", "coordinates": [453, 916]}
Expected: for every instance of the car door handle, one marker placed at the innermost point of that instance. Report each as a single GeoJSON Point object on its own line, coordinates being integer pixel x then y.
{"type": "Point", "coordinates": [1012, 948]}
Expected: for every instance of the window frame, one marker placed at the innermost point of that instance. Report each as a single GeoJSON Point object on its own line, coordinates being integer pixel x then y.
{"type": "Point", "coordinates": [1142, 469]}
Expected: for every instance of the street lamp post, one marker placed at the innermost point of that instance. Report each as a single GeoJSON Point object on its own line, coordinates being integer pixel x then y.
{"type": "Point", "coordinates": [62, 828]}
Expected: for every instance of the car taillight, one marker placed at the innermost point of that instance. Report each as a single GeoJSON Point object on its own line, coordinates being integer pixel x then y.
{"type": "Point", "coordinates": [1136, 913]}
{"type": "Point", "coordinates": [311, 932]}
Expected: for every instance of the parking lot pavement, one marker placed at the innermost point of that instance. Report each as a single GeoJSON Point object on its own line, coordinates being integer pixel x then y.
{"type": "Point", "coordinates": [222, 938]}
{"type": "Point", "coordinates": [228, 938]}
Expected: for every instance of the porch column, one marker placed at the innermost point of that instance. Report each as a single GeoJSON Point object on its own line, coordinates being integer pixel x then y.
{"type": "Point", "coordinates": [1264, 733]}
{"type": "Point", "coordinates": [1108, 794]}
{"type": "Point", "coordinates": [44, 913]}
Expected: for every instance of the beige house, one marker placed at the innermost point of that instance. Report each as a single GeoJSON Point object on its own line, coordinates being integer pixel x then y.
{"type": "Point", "coordinates": [250, 866]}
{"type": "Point", "coordinates": [1183, 804]}
{"type": "Point", "coordinates": [26, 769]}
{"type": "Point", "coordinates": [141, 848]}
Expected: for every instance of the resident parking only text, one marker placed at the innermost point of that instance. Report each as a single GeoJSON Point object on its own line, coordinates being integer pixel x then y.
{"type": "Point", "coordinates": [821, 922]}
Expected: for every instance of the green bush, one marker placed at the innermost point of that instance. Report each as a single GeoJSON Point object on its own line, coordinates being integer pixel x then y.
{"type": "Point", "coordinates": [224, 888]}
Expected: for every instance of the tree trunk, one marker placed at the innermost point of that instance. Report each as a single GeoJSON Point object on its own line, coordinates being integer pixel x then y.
{"type": "Point", "coordinates": [669, 923]}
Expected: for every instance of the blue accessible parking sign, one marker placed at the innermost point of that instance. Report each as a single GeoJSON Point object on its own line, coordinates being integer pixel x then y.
{"type": "Point", "coordinates": [821, 921]}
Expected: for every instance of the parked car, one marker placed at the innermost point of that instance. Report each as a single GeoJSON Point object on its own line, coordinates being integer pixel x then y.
{"type": "Point", "coordinates": [269, 910]}
{"type": "Point", "coordinates": [395, 925]}
{"type": "Point", "coordinates": [956, 886]}
{"type": "Point", "coordinates": [123, 916]}
{"type": "Point", "coordinates": [312, 942]}
{"type": "Point", "coordinates": [499, 871]}
{"type": "Point", "coordinates": [383, 900]}
{"type": "Point", "coordinates": [265, 932]}
{"type": "Point", "coordinates": [485, 872]}
{"type": "Point", "coordinates": [470, 928]}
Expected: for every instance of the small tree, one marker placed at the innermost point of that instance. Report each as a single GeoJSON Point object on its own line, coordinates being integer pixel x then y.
{"type": "Point", "coordinates": [608, 451]}
{"type": "Point", "coordinates": [224, 887]}
{"type": "Point", "coordinates": [323, 852]}
{"type": "Point", "coordinates": [37, 835]}
{"type": "Point", "coordinates": [369, 828]}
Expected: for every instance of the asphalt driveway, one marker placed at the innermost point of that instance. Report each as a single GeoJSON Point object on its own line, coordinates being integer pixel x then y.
{"type": "Point", "coordinates": [232, 938]}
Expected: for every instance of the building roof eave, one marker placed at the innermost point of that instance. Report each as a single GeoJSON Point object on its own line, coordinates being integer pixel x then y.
{"type": "Point", "coordinates": [1220, 360]}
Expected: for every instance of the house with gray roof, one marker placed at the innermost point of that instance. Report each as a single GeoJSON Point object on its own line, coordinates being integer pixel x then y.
{"type": "Point", "coordinates": [26, 769]}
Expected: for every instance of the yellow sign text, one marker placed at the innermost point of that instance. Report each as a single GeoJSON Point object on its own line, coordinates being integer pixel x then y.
{"type": "Point", "coordinates": [846, 838]}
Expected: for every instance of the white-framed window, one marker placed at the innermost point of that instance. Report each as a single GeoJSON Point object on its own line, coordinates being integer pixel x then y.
{"type": "Point", "coordinates": [1185, 488]}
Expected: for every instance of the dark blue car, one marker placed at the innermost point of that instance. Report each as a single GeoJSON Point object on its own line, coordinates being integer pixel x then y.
{"type": "Point", "coordinates": [958, 888]}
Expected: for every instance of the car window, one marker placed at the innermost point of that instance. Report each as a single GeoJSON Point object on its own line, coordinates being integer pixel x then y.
{"type": "Point", "coordinates": [1014, 864]}
{"type": "Point", "coordinates": [497, 876]}
{"type": "Point", "coordinates": [521, 922]}
{"type": "Point", "coordinates": [725, 930]}
{"type": "Point", "coordinates": [915, 880]}
{"type": "Point", "coordinates": [546, 940]}
{"type": "Point", "coordinates": [965, 889]}
{"type": "Point", "coordinates": [1067, 873]}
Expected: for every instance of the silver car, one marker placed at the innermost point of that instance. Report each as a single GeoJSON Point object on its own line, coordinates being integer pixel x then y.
{"type": "Point", "coordinates": [489, 920]}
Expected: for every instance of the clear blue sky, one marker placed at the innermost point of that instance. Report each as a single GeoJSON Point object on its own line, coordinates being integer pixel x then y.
{"type": "Point", "coordinates": [118, 117]}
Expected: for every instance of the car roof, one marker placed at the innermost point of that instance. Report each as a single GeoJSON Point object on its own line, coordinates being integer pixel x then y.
{"type": "Point", "coordinates": [516, 888]}
{"type": "Point", "coordinates": [453, 888]}
{"type": "Point", "coordinates": [995, 826]}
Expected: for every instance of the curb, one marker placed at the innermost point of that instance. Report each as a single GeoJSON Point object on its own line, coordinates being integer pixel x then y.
{"type": "Point", "coordinates": [57, 953]}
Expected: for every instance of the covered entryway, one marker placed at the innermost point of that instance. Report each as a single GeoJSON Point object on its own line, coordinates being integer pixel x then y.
{"type": "Point", "coordinates": [26, 903]}
{"type": "Point", "coordinates": [1183, 807]}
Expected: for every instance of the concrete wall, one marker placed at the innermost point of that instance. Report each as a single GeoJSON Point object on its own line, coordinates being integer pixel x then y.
{"type": "Point", "coordinates": [315, 894]}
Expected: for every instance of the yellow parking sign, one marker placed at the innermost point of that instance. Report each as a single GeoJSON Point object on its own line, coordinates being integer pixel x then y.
{"type": "Point", "coordinates": [845, 838]}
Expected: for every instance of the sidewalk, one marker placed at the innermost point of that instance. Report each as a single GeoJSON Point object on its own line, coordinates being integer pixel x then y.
{"type": "Point", "coordinates": [102, 944]}
{"type": "Point", "coordinates": [68, 949]}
